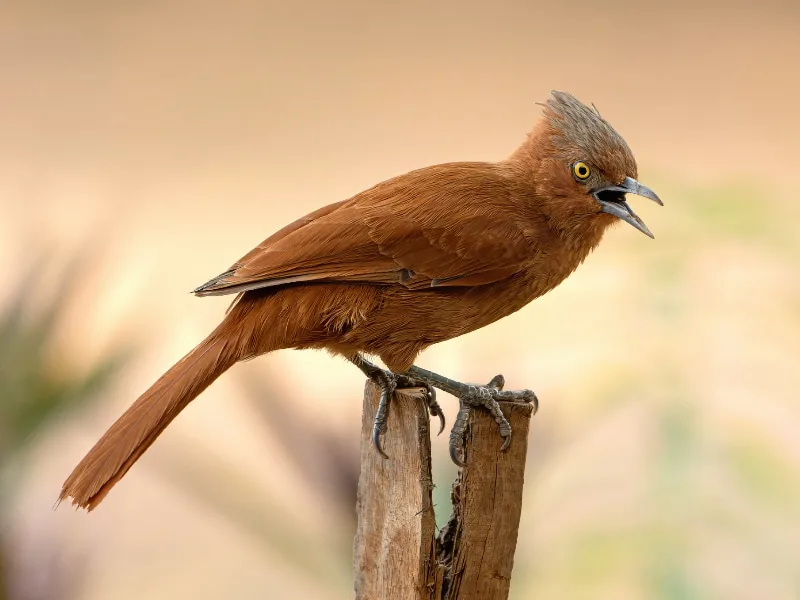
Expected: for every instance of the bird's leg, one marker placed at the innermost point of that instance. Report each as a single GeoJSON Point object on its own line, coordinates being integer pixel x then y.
{"type": "Point", "coordinates": [470, 396]}
{"type": "Point", "coordinates": [388, 382]}
{"type": "Point", "coordinates": [373, 372]}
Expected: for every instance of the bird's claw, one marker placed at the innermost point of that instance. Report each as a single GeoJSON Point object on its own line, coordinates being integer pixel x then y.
{"type": "Point", "coordinates": [388, 382]}
{"type": "Point", "coordinates": [526, 396]}
{"type": "Point", "coordinates": [434, 408]}
{"type": "Point", "coordinates": [498, 382]}
{"type": "Point", "coordinates": [404, 381]}
{"type": "Point", "coordinates": [376, 441]}
{"type": "Point", "coordinates": [488, 397]}
{"type": "Point", "coordinates": [457, 434]}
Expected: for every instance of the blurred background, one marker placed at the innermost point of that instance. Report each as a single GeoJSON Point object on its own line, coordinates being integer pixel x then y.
{"type": "Point", "coordinates": [146, 146]}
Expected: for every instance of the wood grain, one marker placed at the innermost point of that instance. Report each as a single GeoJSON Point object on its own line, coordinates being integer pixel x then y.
{"type": "Point", "coordinates": [475, 550]}
{"type": "Point", "coordinates": [396, 525]}
{"type": "Point", "coordinates": [397, 553]}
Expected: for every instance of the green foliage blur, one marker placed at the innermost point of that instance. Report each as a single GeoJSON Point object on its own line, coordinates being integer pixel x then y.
{"type": "Point", "coordinates": [37, 389]}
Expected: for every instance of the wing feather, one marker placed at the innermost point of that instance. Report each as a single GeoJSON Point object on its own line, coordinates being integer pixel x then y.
{"type": "Point", "coordinates": [449, 225]}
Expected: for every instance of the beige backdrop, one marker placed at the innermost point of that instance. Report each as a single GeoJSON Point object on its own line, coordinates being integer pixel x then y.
{"type": "Point", "coordinates": [174, 136]}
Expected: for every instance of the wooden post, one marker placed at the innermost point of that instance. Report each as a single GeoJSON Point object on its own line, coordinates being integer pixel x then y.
{"type": "Point", "coordinates": [396, 525]}
{"type": "Point", "coordinates": [397, 553]}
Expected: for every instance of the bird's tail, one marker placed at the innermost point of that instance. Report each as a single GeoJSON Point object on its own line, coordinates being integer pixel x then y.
{"type": "Point", "coordinates": [128, 438]}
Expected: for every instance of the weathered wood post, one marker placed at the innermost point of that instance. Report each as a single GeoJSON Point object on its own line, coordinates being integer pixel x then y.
{"type": "Point", "coordinates": [397, 553]}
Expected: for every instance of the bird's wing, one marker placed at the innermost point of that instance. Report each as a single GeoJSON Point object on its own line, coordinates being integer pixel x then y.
{"type": "Point", "coordinates": [448, 225]}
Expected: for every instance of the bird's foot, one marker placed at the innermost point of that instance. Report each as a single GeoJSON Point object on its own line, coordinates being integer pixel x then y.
{"type": "Point", "coordinates": [388, 382]}
{"type": "Point", "coordinates": [406, 382]}
{"type": "Point", "coordinates": [471, 396]}
{"type": "Point", "coordinates": [488, 397]}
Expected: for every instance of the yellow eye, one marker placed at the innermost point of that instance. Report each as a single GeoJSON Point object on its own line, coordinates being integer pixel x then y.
{"type": "Point", "coordinates": [581, 170]}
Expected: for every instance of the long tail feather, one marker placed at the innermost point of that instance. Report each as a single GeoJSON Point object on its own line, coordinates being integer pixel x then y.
{"type": "Point", "coordinates": [128, 438]}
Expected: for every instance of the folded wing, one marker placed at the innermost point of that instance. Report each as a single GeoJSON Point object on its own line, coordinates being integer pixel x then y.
{"type": "Point", "coordinates": [448, 225]}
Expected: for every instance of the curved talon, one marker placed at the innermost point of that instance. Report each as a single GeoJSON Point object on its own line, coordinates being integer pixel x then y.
{"type": "Point", "coordinates": [434, 408]}
{"type": "Point", "coordinates": [442, 423]}
{"type": "Point", "coordinates": [437, 412]}
{"type": "Point", "coordinates": [457, 434]}
{"type": "Point", "coordinates": [376, 440]}
{"type": "Point", "coordinates": [405, 381]}
{"type": "Point", "coordinates": [388, 384]}
{"type": "Point", "coordinates": [454, 454]}
{"type": "Point", "coordinates": [506, 442]}
{"type": "Point", "coordinates": [497, 382]}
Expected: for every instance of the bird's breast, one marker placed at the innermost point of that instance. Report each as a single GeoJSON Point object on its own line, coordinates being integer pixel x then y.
{"type": "Point", "coordinates": [546, 271]}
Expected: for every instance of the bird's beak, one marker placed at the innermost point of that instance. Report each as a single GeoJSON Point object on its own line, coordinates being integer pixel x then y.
{"type": "Point", "coordinates": [612, 201]}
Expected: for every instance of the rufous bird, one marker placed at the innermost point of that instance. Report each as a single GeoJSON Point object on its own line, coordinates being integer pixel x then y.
{"type": "Point", "coordinates": [415, 260]}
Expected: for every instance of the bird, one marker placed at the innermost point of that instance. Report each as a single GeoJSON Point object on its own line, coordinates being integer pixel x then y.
{"type": "Point", "coordinates": [417, 259]}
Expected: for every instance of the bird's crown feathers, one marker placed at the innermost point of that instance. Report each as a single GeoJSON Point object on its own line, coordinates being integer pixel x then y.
{"type": "Point", "coordinates": [578, 132]}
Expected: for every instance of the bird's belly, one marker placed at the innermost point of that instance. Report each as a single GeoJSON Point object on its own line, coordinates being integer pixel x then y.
{"type": "Point", "coordinates": [430, 316]}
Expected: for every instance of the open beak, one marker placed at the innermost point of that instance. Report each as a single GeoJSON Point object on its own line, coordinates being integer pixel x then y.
{"type": "Point", "coordinates": [612, 201]}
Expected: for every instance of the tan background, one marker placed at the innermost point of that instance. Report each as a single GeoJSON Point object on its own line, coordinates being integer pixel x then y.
{"type": "Point", "coordinates": [174, 136]}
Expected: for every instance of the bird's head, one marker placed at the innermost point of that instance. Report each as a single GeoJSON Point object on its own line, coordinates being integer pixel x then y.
{"type": "Point", "coordinates": [583, 166]}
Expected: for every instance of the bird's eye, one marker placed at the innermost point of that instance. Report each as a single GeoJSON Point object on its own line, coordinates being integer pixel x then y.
{"type": "Point", "coordinates": [581, 170]}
